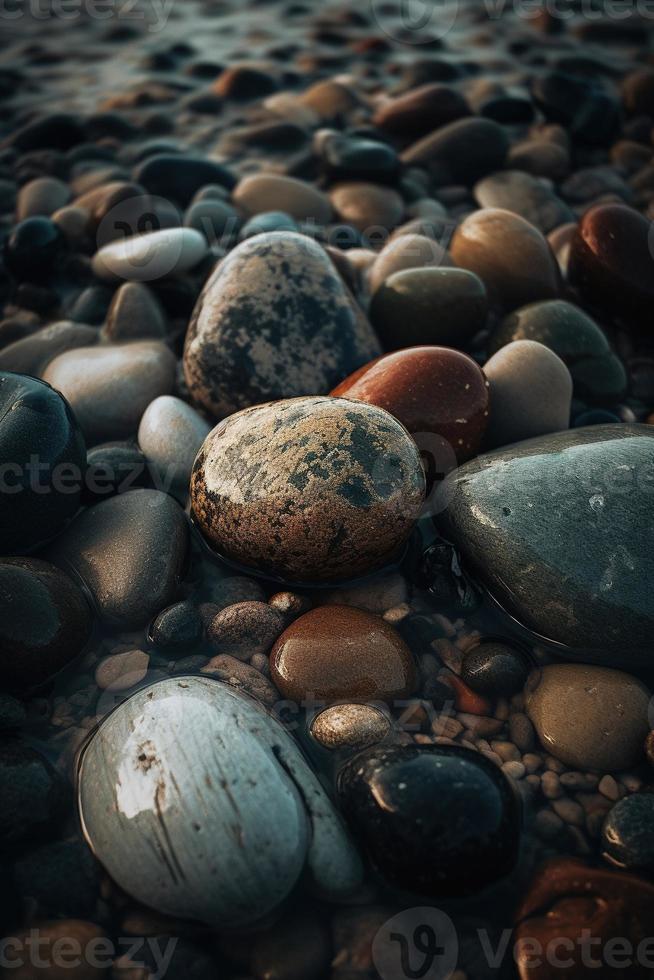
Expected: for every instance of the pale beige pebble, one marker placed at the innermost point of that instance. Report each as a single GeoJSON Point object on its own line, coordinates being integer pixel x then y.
{"type": "Point", "coordinates": [631, 782]}
{"type": "Point", "coordinates": [480, 724]}
{"type": "Point", "coordinates": [366, 206]}
{"type": "Point", "coordinates": [423, 739]}
{"type": "Point", "coordinates": [444, 740]}
{"type": "Point", "coordinates": [362, 259]}
{"type": "Point", "coordinates": [120, 671]}
{"type": "Point", "coordinates": [506, 750]}
{"type": "Point", "coordinates": [609, 788]}
{"type": "Point", "coordinates": [502, 709]}
{"type": "Point", "coordinates": [406, 252]}
{"type": "Point", "coordinates": [555, 765]}
{"type": "Point", "coordinates": [521, 731]}
{"type": "Point", "coordinates": [289, 106]}
{"type": "Point", "coordinates": [445, 725]}
{"type": "Point", "coordinates": [331, 98]}
{"type": "Point", "coordinates": [494, 757]}
{"type": "Point", "coordinates": [533, 780]}
{"type": "Point", "coordinates": [532, 762]}
{"type": "Point", "coordinates": [261, 663]}
{"type": "Point", "coordinates": [273, 192]}
{"type": "Point", "coordinates": [449, 655]}
{"type": "Point", "coordinates": [548, 824]}
{"type": "Point", "coordinates": [579, 781]}
{"type": "Point", "coordinates": [515, 770]}
{"type": "Point", "coordinates": [352, 726]}
{"type": "Point", "coordinates": [467, 744]}
{"type": "Point", "coordinates": [569, 810]}
{"type": "Point", "coordinates": [579, 842]}
{"type": "Point", "coordinates": [551, 785]}
{"type": "Point", "coordinates": [468, 640]}
{"type": "Point", "coordinates": [397, 613]}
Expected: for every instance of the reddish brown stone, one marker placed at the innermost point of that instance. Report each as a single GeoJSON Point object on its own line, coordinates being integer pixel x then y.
{"type": "Point", "coordinates": [429, 390]}
{"type": "Point", "coordinates": [336, 653]}
{"type": "Point", "coordinates": [568, 901]}
{"type": "Point", "coordinates": [611, 262]}
{"type": "Point", "coordinates": [421, 110]}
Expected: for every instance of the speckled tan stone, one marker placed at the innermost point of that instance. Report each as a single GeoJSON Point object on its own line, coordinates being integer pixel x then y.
{"type": "Point", "coordinates": [589, 717]}
{"type": "Point", "coordinates": [308, 489]}
{"type": "Point", "coordinates": [350, 726]}
{"type": "Point", "coordinates": [274, 320]}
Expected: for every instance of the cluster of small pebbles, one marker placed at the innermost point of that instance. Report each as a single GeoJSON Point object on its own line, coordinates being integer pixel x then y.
{"type": "Point", "coordinates": [326, 421]}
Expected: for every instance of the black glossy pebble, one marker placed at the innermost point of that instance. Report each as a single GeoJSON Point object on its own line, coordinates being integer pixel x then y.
{"type": "Point", "coordinates": [494, 670]}
{"type": "Point", "coordinates": [627, 834]}
{"type": "Point", "coordinates": [437, 820]}
{"type": "Point", "coordinates": [32, 250]}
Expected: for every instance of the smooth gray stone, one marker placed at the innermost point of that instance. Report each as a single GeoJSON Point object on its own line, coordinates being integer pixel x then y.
{"type": "Point", "coordinates": [129, 551]}
{"type": "Point", "coordinates": [170, 435]}
{"type": "Point", "coordinates": [273, 321]}
{"type": "Point", "coordinates": [525, 195]}
{"type": "Point", "coordinates": [31, 355]}
{"type": "Point", "coordinates": [135, 314]}
{"type": "Point", "coordinates": [560, 530]}
{"type": "Point", "coordinates": [199, 804]}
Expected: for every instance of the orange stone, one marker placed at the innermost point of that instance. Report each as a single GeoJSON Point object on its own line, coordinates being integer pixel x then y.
{"type": "Point", "coordinates": [338, 653]}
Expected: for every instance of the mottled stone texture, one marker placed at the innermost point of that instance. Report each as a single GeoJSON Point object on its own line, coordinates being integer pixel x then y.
{"type": "Point", "coordinates": [274, 320]}
{"type": "Point", "coordinates": [309, 489]}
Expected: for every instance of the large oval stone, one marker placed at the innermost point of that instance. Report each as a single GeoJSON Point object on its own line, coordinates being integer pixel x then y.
{"type": "Point", "coordinates": [42, 462]}
{"type": "Point", "coordinates": [308, 489]}
{"type": "Point", "coordinates": [44, 621]}
{"type": "Point", "coordinates": [438, 820]}
{"type": "Point", "coordinates": [129, 551]}
{"type": "Point", "coordinates": [274, 320]}
{"type": "Point", "coordinates": [559, 529]}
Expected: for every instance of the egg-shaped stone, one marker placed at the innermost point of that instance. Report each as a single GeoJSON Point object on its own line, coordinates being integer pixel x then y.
{"type": "Point", "coordinates": [274, 321]}
{"type": "Point", "coordinates": [201, 806]}
{"type": "Point", "coordinates": [350, 726]}
{"type": "Point", "coordinates": [308, 489]}
{"type": "Point", "coordinates": [339, 653]}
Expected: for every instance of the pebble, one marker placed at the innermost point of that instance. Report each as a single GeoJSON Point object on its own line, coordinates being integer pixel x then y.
{"type": "Point", "coordinates": [33, 250]}
{"type": "Point", "coordinates": [437, 820]}
{"type": "Point", "coordinates": [611, 262]}
{"type": "Point", "coordinates": [244, 677]}
{"type": "Point", "coordinates": [350, 726]}
{"type": "Point", "coordinates": [590, 717]}
{"type": "Point", "coordinates": [151, 737]}
{"type": "Point", "coordinates": [31, 354]}
{"type": "Point", "coordinates": [277, 304]}
{"type": "Point", "coordinates": [420, 111]}
{"type": "Point", "coordinates": [609, 788]}
{"type": "Point", "coordinates": [290, 604]}
{"type": "Point", "coordinates": [339, 653]}
{"type": "Point", "coordinates": [370, 208]}
{"type": "Point", "coordinates": [245, 629]}
{"type": "Point", "coordinates": [406, 252]}
{"type": "Point", "coordinates": [549, 557]}
{"type": "Point", "coordinates": [627, 833]}
{"type": "Point", "coordinates": [429, 306]}
{"type": "Point", "coordinates": [41, 197]}
{"type": "Point", "coordinates": [498, 246]}
{"type": "Point", "coordinates": [179, 177]}
{"type": "Point", "coordinates": [120, 671]}
{"type": "Point", "coordinates": [37, 427]}
{"type": "Point", "coordinates": [217, 220]}
{"type": "Point", "coordinates": [13, 713]}
{"type": "Point", "coordinates": [135, 314]}
{"type": "Point", "coordinates": [177, 628]}
{"type": "Point", "coordinates": [170, 435]}
{"type": "Point", "coordinates": [345, 157]}
{"type": "Point", "coordinates": [259, 193]}
{"type": "Point", "coordinates": [45, 622]}
{"type": "Point", "coordinates": [109, 388]}
{"type": "Point", "coordinates": [494, 670]}
{"type": "Point", "coordinates": [530, 393]}
{"type": "Point", "coordinates": [514, 769]}
{"type": "Point", "coordinates": [235, 588]}
{"type": "Point", "coordinates": [430, 390]}
{"type": "Point", "coordinates": [524, 195]}
{"type": "Point", "coordinates": [521, 732]}
{"type": "Point", "coordinates": [58, 878]}
{"type": "Point", "coordinates": [129, 551]}
{"type": "Point", "coordinates": [31, 793]}
{"type": "Point", "coordinates": [462, 151]}
{"type": "Point", "coordinates": [363, 496]}
{"type": "Point", "coordinates": [113, 467]}
{"type": "Point", "coordinates": [330, 99]}
{"type": "Point", "coordinates": [151, 256]}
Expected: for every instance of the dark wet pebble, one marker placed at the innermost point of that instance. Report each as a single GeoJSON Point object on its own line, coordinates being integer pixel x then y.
{"type": "Point", "coordinates": [590, 114]}
{"type": "Point", "coordinates": [495, 670]}
{"type": "Point", "coordinates": [595, 416]}
{"type": "Point", "coordinates": [59, 130]}
{"type": "Point", "coordinates": [346, 157]}
{"type": "Point", "coordinates": [37, 428]}
{"type": "Point", "coordinates": [32, 795]}
{"type": "Point", "coordinates": [91, 305]}
{"type": "Point", "coordinates": [437, 820]}
{"type": "Point", "coordinates": [243, 82]}
{"type": "Point", "coordinates": [461, 152]}
{"type": "Point", "coordinates": [114, 467]}
{"type": "Point", "coordinates": [34, 249]}
{"type": "Point", "coordinates": [267, 221]}
{"type": "Point", "coordinates": [627, 833]}
{"type": "Point", "coordinates": [420, 111]}
{"type": "Point", "coordinates": [31, 355]}
{"type": "Point", "coordinates": [179, 177]}
{"type": "Point", "coordinates": [178, 627]}
{"type": "Point", "coordinates": [245, 629]}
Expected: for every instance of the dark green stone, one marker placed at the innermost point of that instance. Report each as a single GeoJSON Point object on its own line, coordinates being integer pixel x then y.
{"type": "Point", "coordinates": [559, 529]}
{"type": "Point", "coordinates": [561, 326]}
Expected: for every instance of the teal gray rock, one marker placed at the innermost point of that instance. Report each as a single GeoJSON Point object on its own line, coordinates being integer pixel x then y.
{"type": "Point", "coordinates": [273, 321]}
{"type": "Point", "coordinates": [559, 529]}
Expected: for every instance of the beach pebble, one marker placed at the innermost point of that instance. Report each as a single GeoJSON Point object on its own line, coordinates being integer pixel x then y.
{"type": "Point", "coordinates": [494, 669]}
{"type": "Point", "coordinates": [244, 677]}
{"type": "Point", "coordinates": [367, 207]}
{"type": "Point", "coordinates": [245, 629]}
{"type": "Point", "coordinates": [41, 196]}
{"type": "Point", "coordinates": [33, 250]}
{"type": "Point", "coordinates": [627, 833]}
{"type": "Point", "coordinates": [338, 653]}
{"type": "Point", "coordinates": [530, 393]}
{"type": "Point", "coordinates": [429, 390]}
{"type": "Point", "coordinates": [406, 252]}
{"type": "Point", "coordinates": [524, 195]}
{"type": "Point", "coordinates": [498, 246]}
{"type": "Point", "coordinates": [277, 304]}
{"type": "Point", "coordinates": [120, 671]}
{"type": "Point", "coordinates": [437, 820]}
{"type": "Point", "coordinates": [589, 717]}
{"type": "Point", "coordinates": [350, 726]}
{"type": "Point", "coordinates": [170, 435]}
{"type": "Point", "coordinates": [135, 314]}
{"type": "Point", "coordinates": [129, 551]}
{"type": "Point", "coordinates": [273, 192]}
{"type": "Point", "coordinates": [178, 176]}
{"type": "Point", "coordinates": [429, 306]}
{"type": "Point", "coordinates": [461, 151]}
{"type": "Point", "coordinates": [420, 111]}
{"type": "Point", "coordinates": [264, 493]}
{"type": "Point", "coordinates": [31, 793]}
{"type": "Point", "coordinates": [109, 388]}
{"type": "Point", "coordinates": [177, 628]}
{"type": "Point", "coordinates": [151, 256]}
{"type": "Point", "coordinates": [37, 426]}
